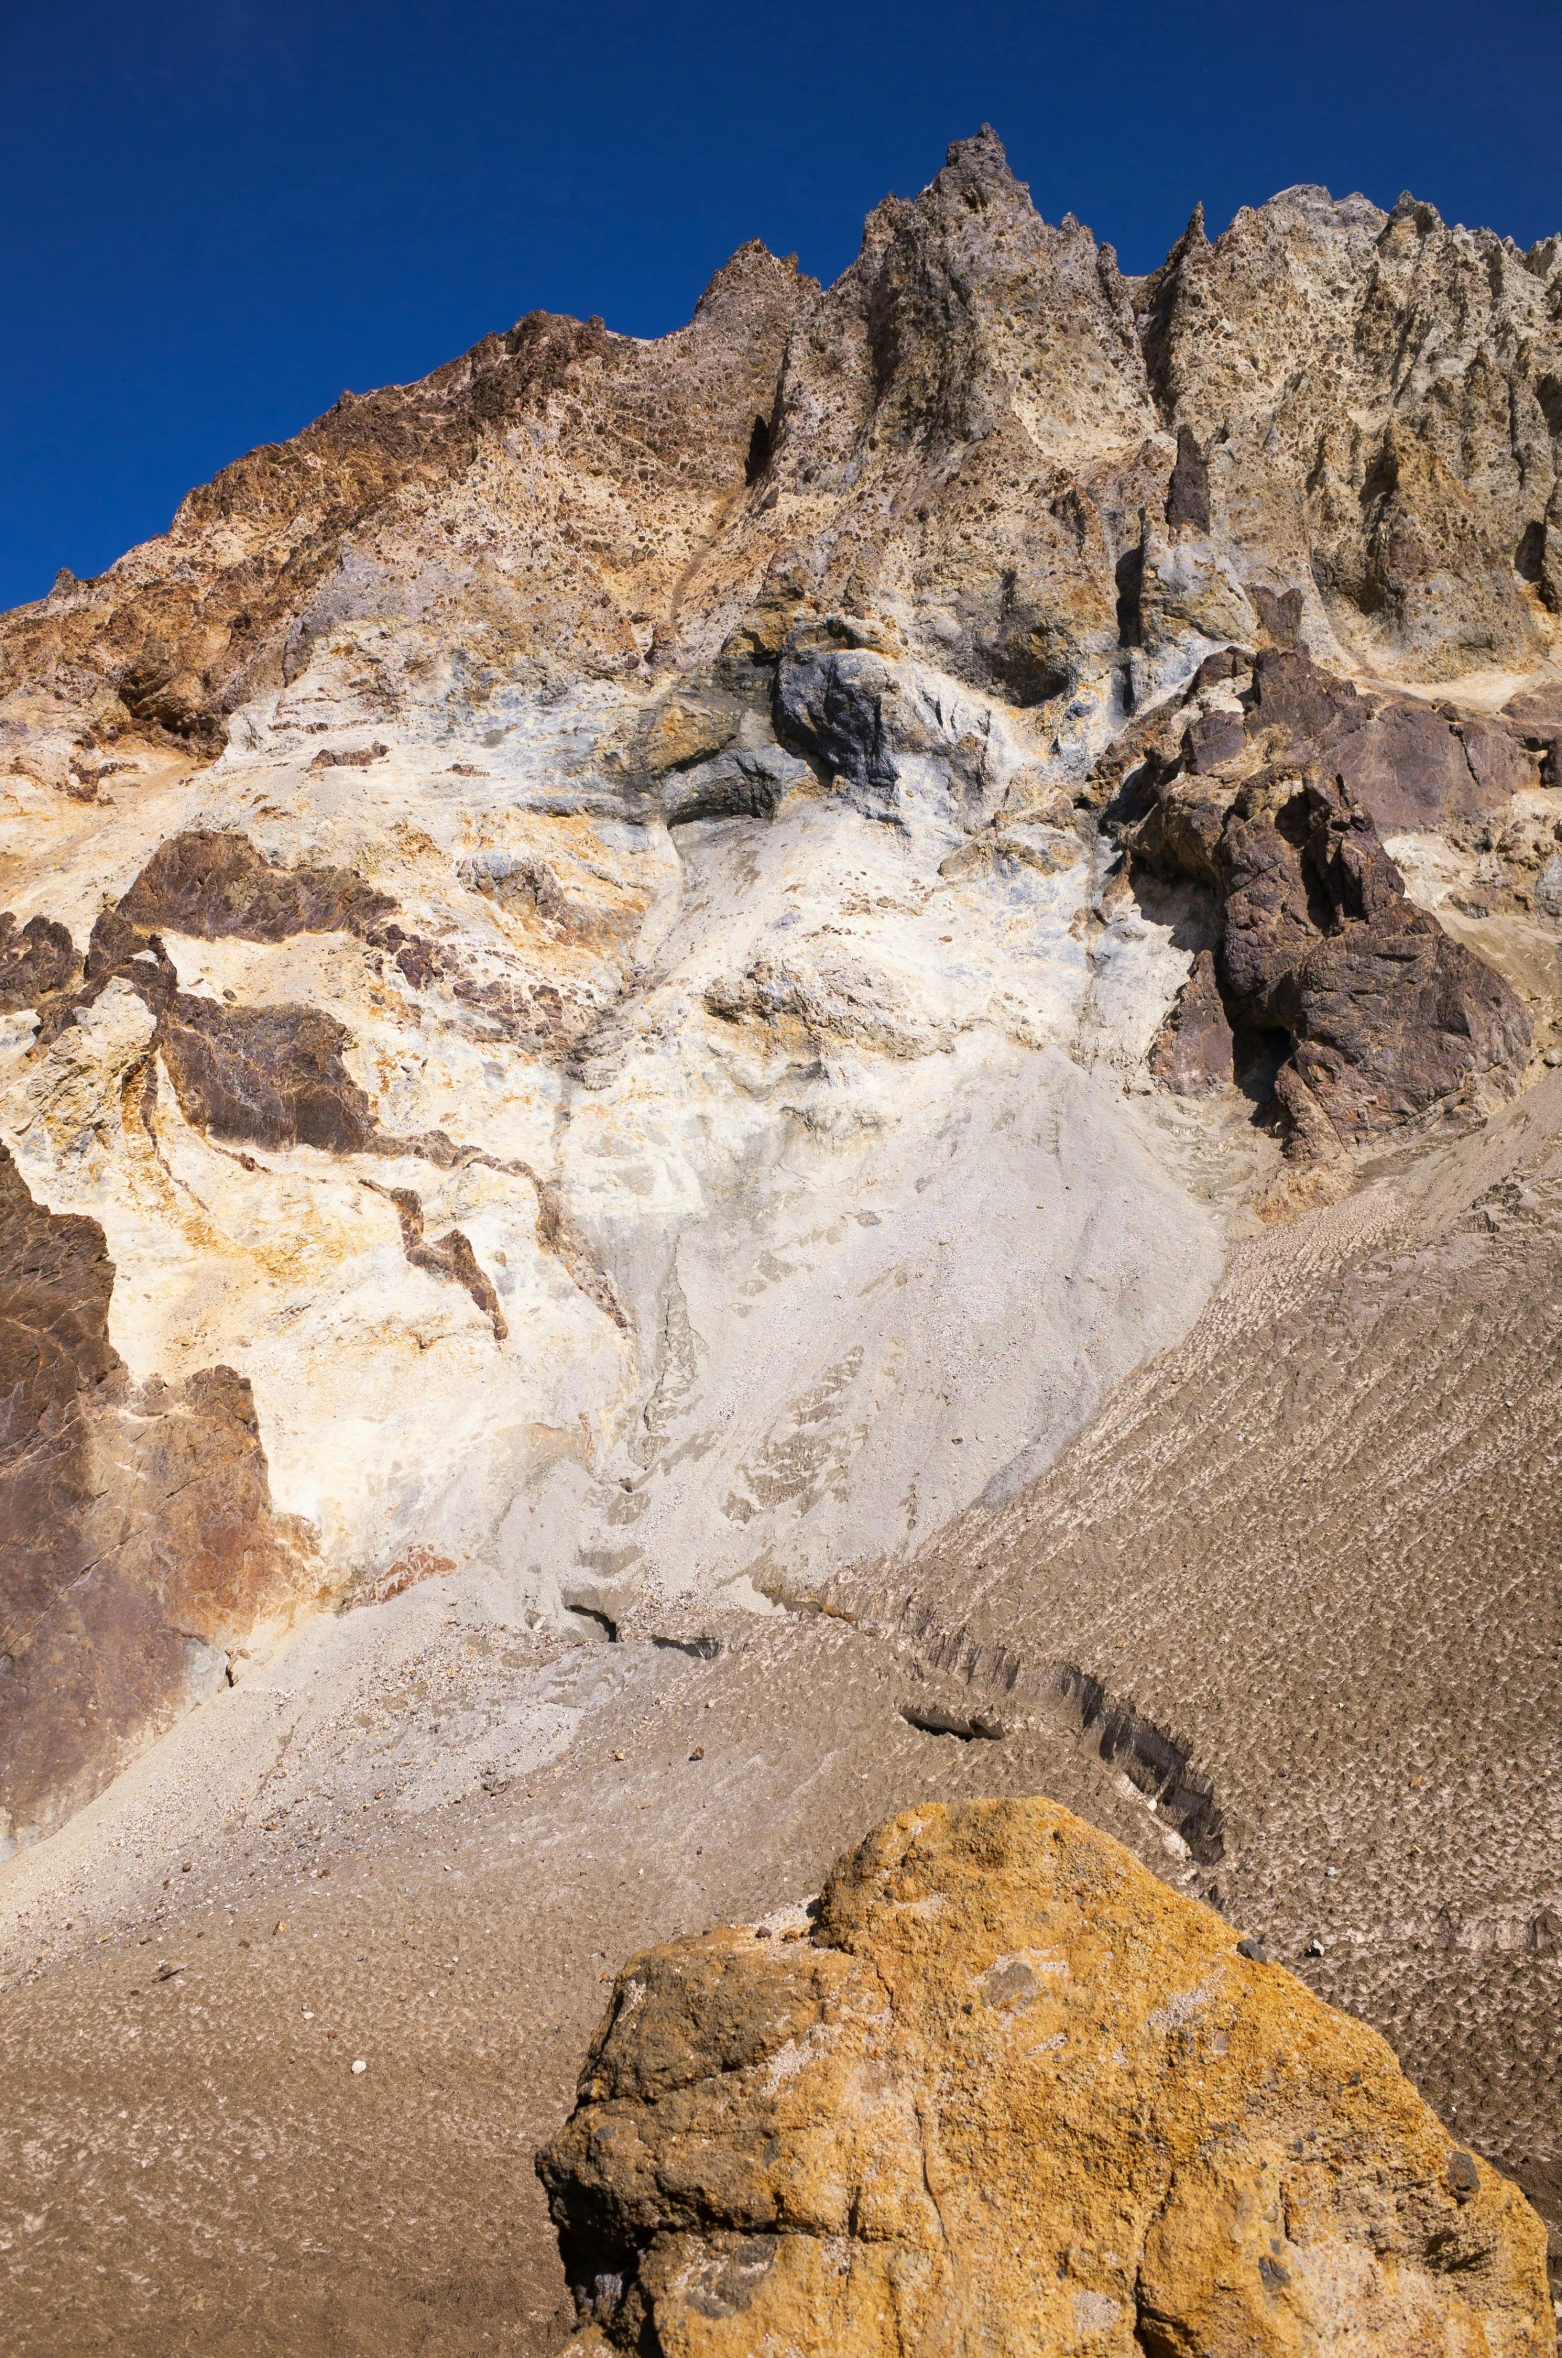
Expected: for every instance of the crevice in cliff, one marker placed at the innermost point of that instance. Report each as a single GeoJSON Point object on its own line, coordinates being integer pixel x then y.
{"type": "Point", "coordinates": [1128, 574]}
{"type": "Point", "coordinates": [1158, 1763]}
{"type": "Point", "coordinates": [1159, 296]}
{"type": "Point", "coordinates": [758, 451]}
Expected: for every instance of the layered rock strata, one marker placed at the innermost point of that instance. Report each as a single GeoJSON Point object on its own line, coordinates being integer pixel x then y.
{"type": "Point", "coordinates": [569, 923]}
{"type": "Point", "coordinates": [1007, 2092]}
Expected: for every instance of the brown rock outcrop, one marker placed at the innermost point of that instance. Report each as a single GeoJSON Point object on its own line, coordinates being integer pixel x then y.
{"type": "Point", "coordinates": [1536, 715]}
{"type": "Point", "coordinates": [1412, 764]}
{"type": "Point", "coordinates": [35, 959]}
{"type": "Point", "coordinates": [217, 886]}
{"type": "Point", "coordinates": [137, 1538]}
{"type": "Point", "coordinates": [449, 1256]}
{"type": "Point", "coordinates": [1013, 2094]}
{"type": "Point", "coordinates": [272, 1076]}
{"type": "Point", "coordinates": [1384, 1013]}
{"type": "Point", "coordinates": [1192, 1052]}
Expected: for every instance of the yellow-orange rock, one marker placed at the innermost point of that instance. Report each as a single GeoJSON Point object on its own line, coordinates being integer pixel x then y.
{"type": "Point", "coordinates": [1012, 2095]}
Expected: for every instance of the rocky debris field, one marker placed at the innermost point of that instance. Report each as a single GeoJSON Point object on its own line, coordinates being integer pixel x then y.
{"type": "Point", "coordinates": [426, 1844]}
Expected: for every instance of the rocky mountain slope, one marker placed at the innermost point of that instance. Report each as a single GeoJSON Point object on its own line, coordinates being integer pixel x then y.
{"type": "Point", "coordinates": [902, 948]}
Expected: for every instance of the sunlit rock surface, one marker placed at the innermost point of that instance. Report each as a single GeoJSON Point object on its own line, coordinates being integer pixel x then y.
{"type": "Point", "coordinates": [602, 945]}
{"type": "Point", "coordinates": [1007, 2092]}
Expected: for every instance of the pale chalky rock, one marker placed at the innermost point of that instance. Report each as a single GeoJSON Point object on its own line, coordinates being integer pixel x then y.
{"type": "Point", "coordinates": [1015, 2096]}
{"type": "Point", "coordinates": [646, 953]}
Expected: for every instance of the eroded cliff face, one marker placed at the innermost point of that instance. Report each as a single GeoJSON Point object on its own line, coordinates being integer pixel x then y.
{"type": "Point", "coordinates": [137, 1538]}
{"type": "Point", "coordinates": [658, 962]}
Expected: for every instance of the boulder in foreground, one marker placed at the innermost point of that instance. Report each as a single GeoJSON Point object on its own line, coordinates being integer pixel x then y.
{"type": "Point", "coordinates": [1012, 2095]}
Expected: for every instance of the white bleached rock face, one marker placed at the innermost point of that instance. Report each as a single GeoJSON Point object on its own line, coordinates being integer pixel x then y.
{"type": "Point", "coordinates": [616, 963]}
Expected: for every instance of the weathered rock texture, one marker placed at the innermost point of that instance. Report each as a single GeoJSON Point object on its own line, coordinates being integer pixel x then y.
{"type": "Point", "coordinates": [1322, 950]}
{"type": "Point", "coordinates": [681, 951]}
{"type": "Point", "coordinates": [137, 1538]}
{"type": "Point", "coordinates": [1009, 2093]}
{"type": "Point", "coordinates": [1300, 1569]}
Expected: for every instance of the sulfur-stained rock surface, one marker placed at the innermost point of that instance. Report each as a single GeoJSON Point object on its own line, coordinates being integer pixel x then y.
{"type": "Point", "coordinates": [1008, 2093]}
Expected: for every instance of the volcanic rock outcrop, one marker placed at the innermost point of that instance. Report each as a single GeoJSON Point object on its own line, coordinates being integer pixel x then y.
{"type": "Point", "coordinates": [1007, 2092]}
{"type": "Point", "coordinates": [138, 1544]}
{"type": "Point", "coordinates": [566, 923]}
{"type": "Point", "coordinates": [1322, 951]}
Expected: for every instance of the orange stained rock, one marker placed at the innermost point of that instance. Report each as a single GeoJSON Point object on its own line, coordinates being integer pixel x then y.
{"type": "Point", "coordinates": [1016, 2097]}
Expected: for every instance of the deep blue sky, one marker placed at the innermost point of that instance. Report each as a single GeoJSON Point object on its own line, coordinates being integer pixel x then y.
{"type": "Point", "coordinates": [217, 216]}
